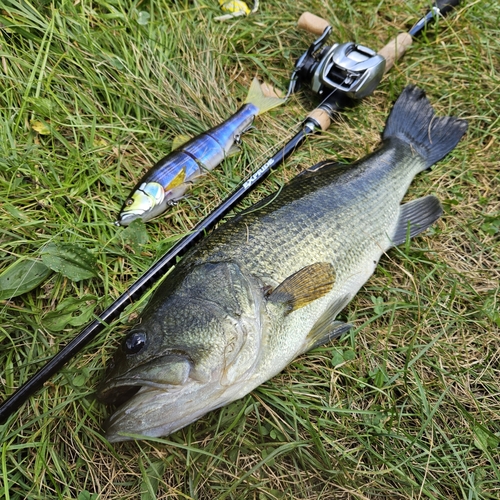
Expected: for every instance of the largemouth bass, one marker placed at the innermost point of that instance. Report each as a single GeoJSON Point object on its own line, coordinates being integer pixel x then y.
{"type": "Point", "coordinates": [267, 286]}
{"type": "Point", "coordinates": [171, 177]}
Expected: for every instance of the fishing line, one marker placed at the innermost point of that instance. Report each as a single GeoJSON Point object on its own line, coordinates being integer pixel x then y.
{"type": "Point", "coordinates": [310, 126]}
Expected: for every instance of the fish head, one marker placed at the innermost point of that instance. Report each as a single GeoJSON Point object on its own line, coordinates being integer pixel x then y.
{"type": "Point", "coordinates": [146, 202]}
{"type": "Point", "coordinates": [189, 354]}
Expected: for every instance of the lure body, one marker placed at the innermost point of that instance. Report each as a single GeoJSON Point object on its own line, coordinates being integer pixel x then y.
{"type": "Point", "coordinates": [205, 151]}
{"type": "Point", "coordinates": [172, 176]}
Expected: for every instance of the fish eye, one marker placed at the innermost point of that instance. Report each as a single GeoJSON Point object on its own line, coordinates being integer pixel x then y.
{"type": "Point", "coordinates": [129, 202]}
{"type": "Point", "coordinates": [134, 343]}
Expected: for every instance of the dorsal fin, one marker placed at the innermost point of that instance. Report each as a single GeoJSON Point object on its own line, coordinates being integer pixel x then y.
{"type": "Point", "coordinates": [180, 140]}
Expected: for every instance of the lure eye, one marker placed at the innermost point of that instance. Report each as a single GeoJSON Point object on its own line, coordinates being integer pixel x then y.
{"type": "Point", "coordinates": [134, 343]}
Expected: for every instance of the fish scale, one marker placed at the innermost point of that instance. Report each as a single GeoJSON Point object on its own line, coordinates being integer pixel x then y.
{"type": "Point", "coordinates": [277, 239]}
{"type": "Point", "coordinates": [268, 285]}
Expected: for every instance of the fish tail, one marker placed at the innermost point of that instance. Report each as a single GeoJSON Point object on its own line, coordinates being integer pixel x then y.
{"type": "Point", "coordinates": [412, 120]}
{"type": "Point", "coordinates": [257, 97]}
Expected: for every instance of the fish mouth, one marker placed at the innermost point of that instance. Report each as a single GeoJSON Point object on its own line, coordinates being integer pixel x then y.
{"type": "Point", "coordinates": [149, 410]}
{"type": "Point", "coordinates": [117, 395]}
{"type": "Point", "coordinates": [152, 408]}
{"type": "Point", "coordinates": [166, 374]}
{"type": "Point", "coordinates": [153, 412]}
{"type": "Point", "coordinates": [121, 392]}
{"type": "Point", "coordinates": [126, 218]}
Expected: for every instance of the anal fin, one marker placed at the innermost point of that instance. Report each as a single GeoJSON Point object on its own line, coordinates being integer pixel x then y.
{"type": "Point", "coordinates": [415, 217]}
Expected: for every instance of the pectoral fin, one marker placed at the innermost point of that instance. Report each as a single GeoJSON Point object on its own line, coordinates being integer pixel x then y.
{"type": "Point", "coordinates": [310, 283]}
{"type": "Point", "coordinates": [327, 328]}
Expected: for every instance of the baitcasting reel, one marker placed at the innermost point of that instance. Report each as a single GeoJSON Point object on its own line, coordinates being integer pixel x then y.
{"type": "Point", "coordinates": [340, 70]}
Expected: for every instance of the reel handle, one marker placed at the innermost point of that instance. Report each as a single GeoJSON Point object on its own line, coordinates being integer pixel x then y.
{"type": "Point", "coordinates": [312, 23]}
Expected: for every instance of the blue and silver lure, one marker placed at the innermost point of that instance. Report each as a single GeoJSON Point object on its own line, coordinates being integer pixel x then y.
{"type": "Point", "coordinates": [171, 177]}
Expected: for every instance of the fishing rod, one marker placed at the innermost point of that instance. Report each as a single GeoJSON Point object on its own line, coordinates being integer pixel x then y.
{"type": "Point", "coordinates": [339, 74]}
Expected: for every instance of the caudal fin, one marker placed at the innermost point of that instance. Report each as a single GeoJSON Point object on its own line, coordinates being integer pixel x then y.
{"type": "Point", "coordinates": [257, 97]}
{"type": "Point", "coordinates": [413, 121]}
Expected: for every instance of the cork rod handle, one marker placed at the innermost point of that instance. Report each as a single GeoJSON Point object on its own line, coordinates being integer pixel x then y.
{"type": "Point", "coordinates": [395, 49]}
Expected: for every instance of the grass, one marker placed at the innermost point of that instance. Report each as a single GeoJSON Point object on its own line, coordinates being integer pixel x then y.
{"type": "Point", "coordinates": [407, 406]}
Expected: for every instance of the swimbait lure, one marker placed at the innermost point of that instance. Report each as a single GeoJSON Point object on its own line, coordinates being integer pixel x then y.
{"type": "Point", "coordinates": [172, 176]}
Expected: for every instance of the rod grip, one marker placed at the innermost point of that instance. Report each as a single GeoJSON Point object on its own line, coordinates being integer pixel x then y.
{"type": "Point", "coordinates": [312, 23]}
{"type": "Point", "coordinates": [321, 117]}
{"type": "Point", "coordinates": [395, 49]}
